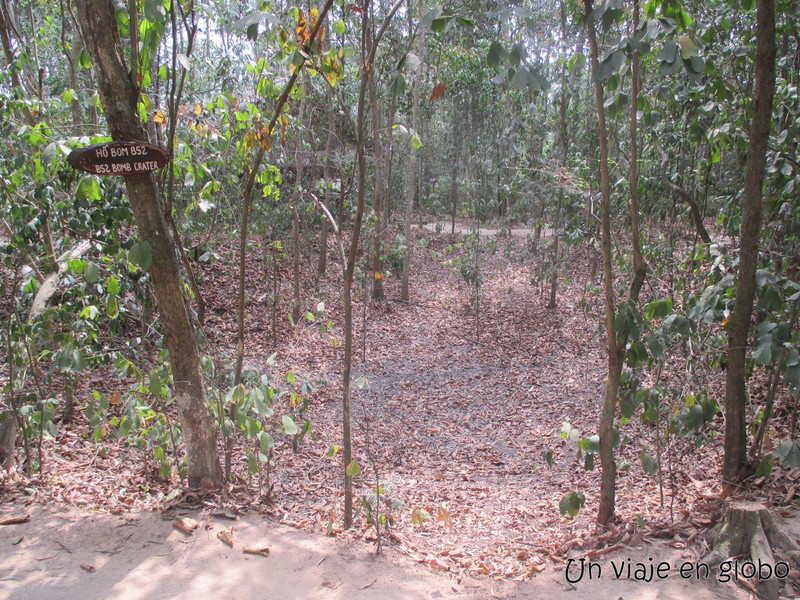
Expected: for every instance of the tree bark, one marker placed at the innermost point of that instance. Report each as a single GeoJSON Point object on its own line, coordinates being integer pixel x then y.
{"type": "Point", "coordinates": [735, 455]}
{"type": "Point", "coordinates": [119, 98]}
{"type": "Point", "coordinates": [639, 263]}
{"type": "Point", "coordinates": [378, 189]}
{"type": "Point", "coordinates": [412, 162]}
{"type": "Point", "coordinates": [608, 464]}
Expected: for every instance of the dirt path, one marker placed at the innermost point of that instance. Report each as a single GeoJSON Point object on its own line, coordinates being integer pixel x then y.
{"type": "Point", "coordinates": [71, 555]}
{"type": "Point", "coordinates": [466, 229]}
{"type": "Point", "coordinates": [454, 424]}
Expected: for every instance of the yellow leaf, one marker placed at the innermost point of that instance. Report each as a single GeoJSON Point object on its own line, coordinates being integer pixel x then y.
{"type": "Point", "coordinates": [198, 109]}
{"type": "Point", "coordinates": [158, 117]}
{"type": "Point", "coordinates": [302, 28]}
{"type": "Point", "coordinates": [379, 275]}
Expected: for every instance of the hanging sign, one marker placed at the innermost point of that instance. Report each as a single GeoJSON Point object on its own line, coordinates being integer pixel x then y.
{"type": "Point", "coordinates": [118, 158]}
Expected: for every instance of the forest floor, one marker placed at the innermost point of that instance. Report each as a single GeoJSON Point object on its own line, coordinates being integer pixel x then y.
{"type": "Point", "coordinates": [454, 412]}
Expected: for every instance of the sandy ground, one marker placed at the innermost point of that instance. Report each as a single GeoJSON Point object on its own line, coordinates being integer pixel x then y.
{"type": "Point", "coordinates": [68, 554]}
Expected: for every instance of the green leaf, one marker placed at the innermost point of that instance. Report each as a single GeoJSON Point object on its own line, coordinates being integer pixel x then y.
{"type": "Point", "coordinates": [610, 65]}
{"type": "Point", "coordinates": [571, 504]}
{"type": "Point", "coordinates": [333, 450]}
{"type": "Point", "coordinates": [658, 309]}
{"type": "Point", "coordinates": [438, 25]}
{"type": "Point", "coordinates": [416, 141]}
{"type": "Point", "coordinates": [251, 428]}
{"type": "Point", "coordinates": [648, 464]}
{"type": "Point", "coordinates": [338, 27]}
{"type": "Point", "coordinates": [252, 464]}
{"type": "Point", "coordinates": [84, 61]}
{"type": "Point", "coordinates": [112, 286]}
{"type": "Point", "coordinates": [112, 306]}
{"type": "Point", "coordinates": [260, 404]}
{"type": "Point", "coordinates": [353, 469]}
{"type": "Point", "coordinates": [497, 54]}
{"type": "Point", "coordinates": [548, 458]}
{"type": "Point", "coordinates": [668, 53]}
{"type": "Point", "coordinates": [89, 189]}
{"type": "Point", "coordinates": [397, 84]}
{"type": "Point", "coordinates": [238, 394]}
{"type": "Point", "coordinates": [265, 441]}
{"type": "Point", "coordinates": [627, 405]}
{"type": "Point", "coordinates": [67, 96]}
{"type": "Point", "coordinates": [141, 255]}
{"type": "Point", "coordinates": [91, 273]}
{"type": "Point", "coordinates": [766, 465]}
{"type": "Point", "coordinates": [763, 352]}
{"type": "Point", "coordinates": [289, 426]}
{"type": "Point", "coordinates": [90, 312]}
{"type": "Point", "coordinates": [154, 385]}
{"type": "Point", "coordinates": [655, 345]}
{"type": "Point", "coordinates": [696, 65]}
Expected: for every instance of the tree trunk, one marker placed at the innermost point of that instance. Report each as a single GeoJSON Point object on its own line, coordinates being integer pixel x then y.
{"type": "Point", "coordinates": [99, 26]}
{"type": "Point", "coordinates": [378, 189]}
{"type": "Point", "coordinates": [412, 161]}
{"type": "Point", "coordinates": [639, 264]}
{"type": "Point", "coordinates": [563, 135]}
{"type": "Point", "coordinates": [608, 483]}
{"type": "Point", "coordinates": [736, 391]}
{"type": "Point", "coordinates": [322, 265]}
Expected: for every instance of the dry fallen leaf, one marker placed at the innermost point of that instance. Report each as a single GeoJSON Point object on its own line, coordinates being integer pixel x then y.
{"type": "Point", "coordinates": [226, 536]}
{"type": "Point", "coordinates": [444, 516]}
{"type": "Point", "coordinates": [88, 568]}
{"type": "Point", "coordinates": [261, 551]}
{"type": "Point", "coordinates": [185, 524]}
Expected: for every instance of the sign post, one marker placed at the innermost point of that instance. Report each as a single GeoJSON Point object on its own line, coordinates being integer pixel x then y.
{"type": "Point", "coordinates": [118, 158]}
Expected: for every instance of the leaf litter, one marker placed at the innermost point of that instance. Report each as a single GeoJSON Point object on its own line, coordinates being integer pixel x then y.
{"type": "Point", "coordinates": [454, 425]}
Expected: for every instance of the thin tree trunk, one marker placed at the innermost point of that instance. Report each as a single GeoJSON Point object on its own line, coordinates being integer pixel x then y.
{"type": "Point", "coordinates": [247, 199]}
{"type": "Point", "coordinates": [322, 265]}
{"type": "Point", "coordinates": [368, 58]}
{"type": "Point", "coordinates": [609, 477]}
{"type": "Point", "coordinates": [99, 26]}
{"type": "Point", "coordinates": [298, 163]}
{"type": "Point", "coordinates": [412, 162]}
{"type": "Point", "coordinates": [639, 264]}
{"type": "Point", "coordinates": [563, 135]}
{"type": "Point", "coordinates": [13, 71]}
{"type": "Point", "coordinates": [735, 446]}
{"type": "Point", "coordinates": [377, 251]}
{"type": "Point", "coordinates": [387, 196]}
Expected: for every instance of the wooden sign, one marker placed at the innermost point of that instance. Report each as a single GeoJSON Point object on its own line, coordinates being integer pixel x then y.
{"type": "Point", "coordinates": [118, 158]}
